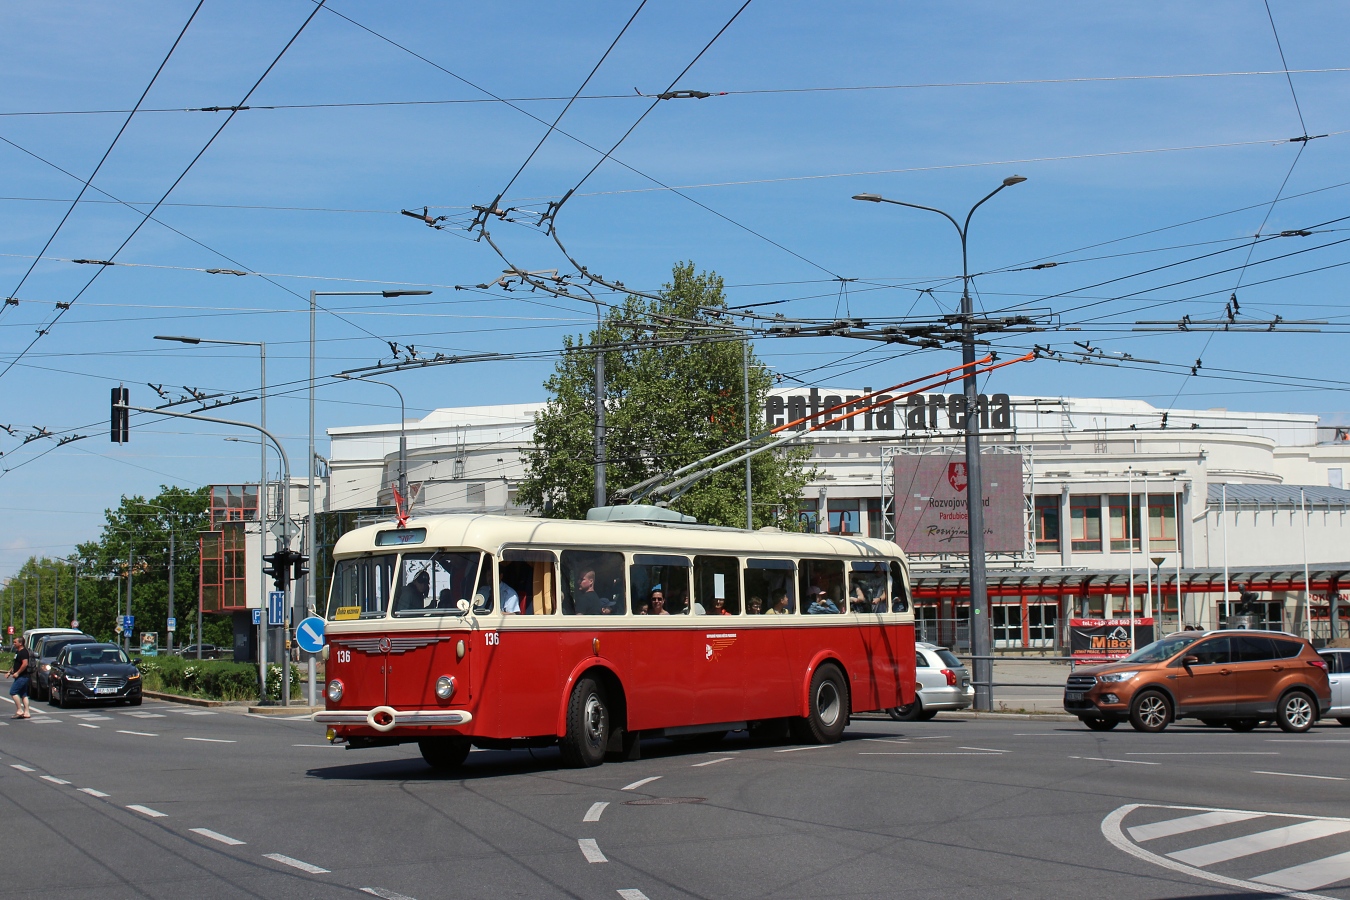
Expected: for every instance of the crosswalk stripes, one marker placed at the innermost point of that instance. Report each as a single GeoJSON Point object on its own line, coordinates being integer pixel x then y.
{"type": "Point", "coordinates": [1219, 844]}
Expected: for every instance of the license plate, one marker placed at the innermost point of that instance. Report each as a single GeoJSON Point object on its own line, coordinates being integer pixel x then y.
{"type": "Point", "coordinates": [105, 690]}
{"type": "Point", "coordinates": [1074, 695]}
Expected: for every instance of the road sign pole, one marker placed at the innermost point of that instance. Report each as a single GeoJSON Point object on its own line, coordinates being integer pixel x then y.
{"type": "Point", "coordinates": [313, 697]}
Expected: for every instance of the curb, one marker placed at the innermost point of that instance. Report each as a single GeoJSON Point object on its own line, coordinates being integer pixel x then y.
{"type": "Point", "coordinates": [191, 701]}
{"type": "Point", "coordinates": [958, 715]}
{"type": "Point", "coordinates": [284, 710]}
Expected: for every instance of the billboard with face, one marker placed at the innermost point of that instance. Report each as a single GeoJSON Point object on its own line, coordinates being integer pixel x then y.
{"type": "Point", "coordinates": [932, 503]}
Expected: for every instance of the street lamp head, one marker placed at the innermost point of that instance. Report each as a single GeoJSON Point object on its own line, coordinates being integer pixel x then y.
{"type": "Point", "coordinates": [870, 198]}
{"type": "Point", "coordinates": [179, 338]}
{"type": "Point", "coordinates": [387, 294]}
{"type": "Point", "coordinates": [1013, 179]}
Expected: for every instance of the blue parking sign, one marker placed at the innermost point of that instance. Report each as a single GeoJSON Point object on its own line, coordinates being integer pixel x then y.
{"type": "Point", "coordinates": [257, 616]}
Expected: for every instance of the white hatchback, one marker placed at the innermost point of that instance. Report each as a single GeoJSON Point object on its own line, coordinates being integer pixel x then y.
{"type": "Point", "coordinates": [941, 682]}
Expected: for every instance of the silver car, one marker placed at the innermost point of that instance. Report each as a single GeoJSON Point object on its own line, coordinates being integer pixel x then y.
{"type": "Point", "coordinates": [941, 682]}
{"type": "Point", "coordinates": [1338, 671]}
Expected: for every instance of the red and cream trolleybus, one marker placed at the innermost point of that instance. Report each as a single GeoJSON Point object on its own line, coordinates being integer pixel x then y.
{"type": "Point", "coordinates": [501, 631]}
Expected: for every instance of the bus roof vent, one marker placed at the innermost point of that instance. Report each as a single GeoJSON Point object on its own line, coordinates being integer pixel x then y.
{"type": "Point", "coordinates": [638, 512]}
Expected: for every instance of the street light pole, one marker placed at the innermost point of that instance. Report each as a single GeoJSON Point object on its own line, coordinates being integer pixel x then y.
{"type": "Point", "coordinates": [981, 629]}
{"type": "Point", "coordinates": [402, 431]}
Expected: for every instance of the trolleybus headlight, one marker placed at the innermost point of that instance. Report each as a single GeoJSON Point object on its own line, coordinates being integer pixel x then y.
{"type": "Point", "coordinates": [335, 690]}
{"type": "Point", "coordinates": [445, 687]}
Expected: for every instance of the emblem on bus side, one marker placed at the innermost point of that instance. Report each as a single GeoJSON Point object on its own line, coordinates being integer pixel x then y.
{"type": "Point", "coordinates": [716, 643]}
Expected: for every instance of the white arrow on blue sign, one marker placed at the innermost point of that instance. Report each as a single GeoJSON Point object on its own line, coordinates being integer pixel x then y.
{"type": "Point", "coordinates": [309, 634]}
{"type": "Point", "coordinates": [276, 607]}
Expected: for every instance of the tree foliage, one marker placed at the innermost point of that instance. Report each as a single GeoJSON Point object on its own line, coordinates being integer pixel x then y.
{"type": "Point", "coordinates": [674, 393]}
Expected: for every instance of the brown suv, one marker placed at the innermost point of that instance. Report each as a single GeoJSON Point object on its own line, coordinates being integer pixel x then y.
{"type": "Point", "coordinates": [1233, 678]}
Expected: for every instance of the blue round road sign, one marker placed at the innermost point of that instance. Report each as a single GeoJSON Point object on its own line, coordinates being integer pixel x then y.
{"type": "Point", "coordinates": [309, 634]}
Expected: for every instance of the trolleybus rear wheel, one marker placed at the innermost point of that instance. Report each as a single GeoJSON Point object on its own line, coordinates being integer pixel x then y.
{"type": "Point", "coordinates": [587, 725]}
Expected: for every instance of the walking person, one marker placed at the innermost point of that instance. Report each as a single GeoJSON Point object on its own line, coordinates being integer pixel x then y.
{"type": "Point", "coordinates": [18, 691]}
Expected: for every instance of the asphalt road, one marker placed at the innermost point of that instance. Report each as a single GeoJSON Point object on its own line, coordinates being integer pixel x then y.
{"type": "Point", "coordinates": [173, 802]}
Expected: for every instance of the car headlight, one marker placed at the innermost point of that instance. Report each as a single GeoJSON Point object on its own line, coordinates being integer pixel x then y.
{"type": "Point", "coordinates": [1114, 677]}
{"type": "Point", "coordinates": [335, 690]}
{"type": "Point", "coordinates": [445, 687]}
{"type": "Point", "coordinates": [46, 667]}
{"type": "Point", "coordinates": [133, 676]}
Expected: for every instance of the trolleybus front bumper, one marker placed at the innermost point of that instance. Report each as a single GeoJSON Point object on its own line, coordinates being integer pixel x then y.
{"type": "Point", "coordinates": [386, 718]}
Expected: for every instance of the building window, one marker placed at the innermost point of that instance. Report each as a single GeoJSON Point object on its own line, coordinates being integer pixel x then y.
{"type": "Point", "coordinates": [844, 516]}
{"type": "Point", "coordinates": [1124, 533]}
{"type": "Point", "coordinates": [477, 494]}
{"type": "Point", "coordinates": [808, 515]}
{"type": "Point", "coordinates": [1085, 523]}
{"type": "Point", "coordinates": [875, 525]}
{"type": "Point", "coordinates": [1334, 479]}
{"type": "Point", "coordinates": [1047, 524]}
{"type": "Point", "coordinates": [1162, 522]}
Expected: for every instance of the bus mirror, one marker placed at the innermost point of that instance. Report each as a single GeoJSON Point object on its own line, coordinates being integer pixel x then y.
{"type": "Point", "coordinates": [462, 606]}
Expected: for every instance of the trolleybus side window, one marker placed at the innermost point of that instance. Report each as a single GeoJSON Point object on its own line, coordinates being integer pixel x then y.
{"type": "Point", "coordinates": [433, 584]}
{"type": "Point", "coordinates": [532, 574]}
{"type": "Point", "coordinates": [822, 584]}
{"type": "Point", "coordinates": [770, 587]}
{"type": "Point", "coordinates": [717, 585]}
{"type": "Point", "coordinates": [484, 597]}
{"type": "Point", "coordinates": [899, 589]}
{"type": "Point", "coordinates": [361, 588]}
{"type": "Point", "coordinates": [868, 587]}
{"type": "Point", "coordinates": [592, 583]}
{"type": "Point", "coordinates": [658, 584]}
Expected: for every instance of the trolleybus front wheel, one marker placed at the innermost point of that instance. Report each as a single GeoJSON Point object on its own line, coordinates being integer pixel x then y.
{"type": "Point", "coordinates": [444, 753]}
{"type": "Point", "coordinates": [829, 708]}
{"type": "Point", "coordinates": [588, 725]}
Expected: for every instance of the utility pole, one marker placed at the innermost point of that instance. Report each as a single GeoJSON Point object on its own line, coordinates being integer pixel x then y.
{"type": "Point", "coordinates": [37, 596]}
{"type": "Point", "coordinates": [745, 379]}
{"type": "Point", "coordinates": [169, 636]}
{"type": "Point", "coordinates": [75, 608]}
{"type": "Point", "coordinates": [600, 492]}
{"type": "Point", "coordinates": [131, 575]}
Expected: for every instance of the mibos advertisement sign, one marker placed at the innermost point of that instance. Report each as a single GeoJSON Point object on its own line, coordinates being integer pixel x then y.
{"type": "Point", "coordinates": [1106, 639]}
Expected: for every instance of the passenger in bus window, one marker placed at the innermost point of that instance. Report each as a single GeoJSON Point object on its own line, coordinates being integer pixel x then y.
{"type": "Point", "coordinates": [858, 601]}
{"type": "Point", "coordinates": [820, 604]}
{"type": "Point", "coordinates": [414, 595]}
{"type": "Point", "coordinates": [882, 602]}
{"type": "Point", "coordinates": [511, 604]}
{"type": "Point", "coordinates": [587, 601]}
{"type": "Point", "coordinates": [445, 600]}
{"type": "Point", "coordinates": [720, 607]}
{"type": "Point", "coordinates": [657, 602]}
{"type": "Point", "coordinates": [754, 606]}
{"type": "Point", "coordinates": [780, 606]}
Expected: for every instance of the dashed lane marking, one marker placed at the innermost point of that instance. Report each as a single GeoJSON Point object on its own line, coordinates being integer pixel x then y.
{"type": "Point", "coordinates": [144, 715]}
{"type": "Point", "coordinates": [93, 793]}
{"type": "Point", "coordinates": [1132, 762]}
{"type": "Point", "coordinates": [386, 894]}
{"type": "Point", "coordinates": [210, 740]}
{"type": "Point", "coordinates": [986, 749]}
{"type": "Point", "coordinates": [147, 811]}
{"type": "Point", "coordinates": [1202, 753]}
{"type": "Point", "coordinates": [296, 863]}
{"type": "Point", "coordinates": [85, 725]}
{"type": "Point", "coordinates": [591, 850]}
{"type": "Point", "coordinates": [637, 784]}
{"type": "Point", "coordinates": [593, 814]}
{"type": "Point", "coordinates": [45, 721]}
{"type": "Point", "coordinates": [217, 836]}
{"type": "Point", "coordinates": [53, 779]}
{"type": "Point", "coordinates": [21, 768]}
{"type": "Point", "coordinates": [807, 747]}
{"type": "Point", "coordinates": [632, 894]}
{"type": "Point", "coordinates": [932, 753]}
{"type": "Point", "coordinates": [137, 733]}
{"type": "Point", "coordinates": [1299, 775]}
{"type": "Point", "coordinates": [886, 741]}
{"type": "Point", "coordinates": [92, 717]}
{"type": "Point", "coordinates": [712, 762]}
{"type": "Point", "coordinates": [199, 712]}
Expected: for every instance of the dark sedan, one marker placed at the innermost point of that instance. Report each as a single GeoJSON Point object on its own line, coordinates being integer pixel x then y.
{"type": "Point", "coordinates": [45, 650]}
{"type": "Point", "coordinates": [86, 673]}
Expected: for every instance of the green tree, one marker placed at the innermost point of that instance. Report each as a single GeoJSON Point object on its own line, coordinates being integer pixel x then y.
{"type": "Point", "coordinates": [674, 393]}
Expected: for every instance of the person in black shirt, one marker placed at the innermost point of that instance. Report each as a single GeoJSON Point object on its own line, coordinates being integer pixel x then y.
{"type": "Point", "coordinates": [18, 691]}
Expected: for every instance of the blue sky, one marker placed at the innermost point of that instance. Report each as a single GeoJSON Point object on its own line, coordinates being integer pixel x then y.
{"type": "Point", "coordinates": [312, 196]}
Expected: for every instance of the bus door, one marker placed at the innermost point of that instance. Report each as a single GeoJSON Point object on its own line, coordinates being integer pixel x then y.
{"type": "Point", "coordinates": [661, 642]}
{"type": "Point", "coordinates": [519, 669]}
{"type": "Point", "coordinates": [870, 597]}
{"type": "Point", "coordinates": [725, 662]}
{"type": "Point", "coordinates": [768, 687]}
{"type": "Point", "coordinates": [430, 589]}
{"type": "Point", "coordinates": [360, 594]}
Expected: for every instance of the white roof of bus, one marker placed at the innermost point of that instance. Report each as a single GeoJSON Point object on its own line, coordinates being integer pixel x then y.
{"type": "Point", "coordinates": [490, 532]}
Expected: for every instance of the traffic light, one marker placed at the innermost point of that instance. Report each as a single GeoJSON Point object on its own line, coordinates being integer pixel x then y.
{"type": "Point", "coordinates": [121, 416]}
{"type": "Point", "coordinates": [278, 568]}
{"type": "Point", "coordinates": [300, 563]}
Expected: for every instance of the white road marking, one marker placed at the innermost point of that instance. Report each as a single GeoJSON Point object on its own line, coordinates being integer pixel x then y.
{"type": "Point", "coordinates": [637, 784]}
{"type": "Point", "coordinates": [217, 836]}
{"type": "Point", "coordinates": [21, 768]}
{"type": "Point", "coordinates": [1315, 874]}
{"type": "Point", "coordinates": [199, 712]}
{"type": "Point", "coordinates": [45, 721]}
{"type": "Point", "coordinates": [593, 814]}
{"type": "Point", "coordinates": [147, 811]}
{"type": "Point", "coordinates": [85, 725]}
{"type": "Point", "coordinates": [712, 762]}
{"type": "Point", "coordinates": [632, 894]}
{"type": "Point", "coordinates": [53, 779]}
{"type": "Point", "coordinates": [987, 749]}
{"type": "Point", "coordinates": [885, 741]}
{"type": "Point", "coordinates": [92, 717]}
{"type": "Point", "coordinates": [591, 850]}
{"type": "Point", "coordinates": [933, 737]}
{"type": "Point", "coordinates": [1307, 741]}
{"type": "Point", "coordinates": [1133, 762]}
{"type": "Point", "coordinates": [925, 753]}
{"type": "Point", "coordinates": [137, 733]}
{"type": "Point", "coordinates": [1202, 752]}
{"type": "Point", "coordinates": [93, 793]}
{"type": "Point", "coordinates": [144, 715]}
{"type": "Point", "coordinates": [1222, 851]}
{"type": "Point", "coordinates": [1170, 827]}
{"type": "Point", "coordinates": [325, 746]}
{"type": "Point", "coordinates": [210, 740]}
{"type": "Point", "coordinates": [1297, 775]}
{"type": "Point", "coordinates": [808, 747]}
{"type": "Point", "coordinates": [295, 863]}
{"type": "Point", "coordinates": [386, 894]}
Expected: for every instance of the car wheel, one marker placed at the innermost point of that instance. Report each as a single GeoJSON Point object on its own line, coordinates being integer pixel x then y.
{"type": "Point", "coordinates": [444, 753]}
{"type": "Point", "coordinates": [1150, 712]}
{"type": "Point", "coordinates": [53, 697]}
{"type": "Point", "coordinates": [588, 726]}
{"type": "Point", "coordinates": [829, 708]}
{"type": "Point", "coordinates": [1295, 712]}
{"type": "Point", "coordinates": [1100, 724]}
{"type": "Point", "coordinates": [67, 701]}
{"type": "Point", "coordinates": [1243, 724]}
{"type": "Point", "coordinates": [910, 712]}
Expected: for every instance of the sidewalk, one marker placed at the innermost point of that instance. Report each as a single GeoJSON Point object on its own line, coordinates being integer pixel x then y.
{"type": "Point", "coordinates": [1045, 693]}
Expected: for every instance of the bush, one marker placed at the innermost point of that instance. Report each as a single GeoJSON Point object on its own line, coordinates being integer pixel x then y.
{"type": "Point", "coordinates": [212, 679]}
